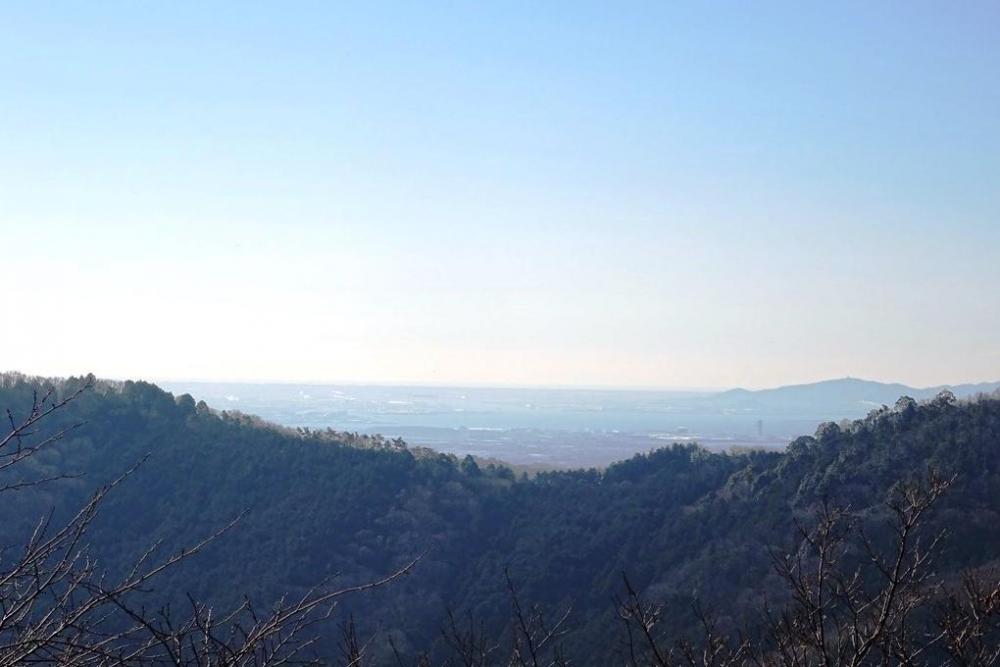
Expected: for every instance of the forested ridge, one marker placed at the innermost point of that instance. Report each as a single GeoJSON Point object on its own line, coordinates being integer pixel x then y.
{"type": "Point", "coordinates": [682, 523]}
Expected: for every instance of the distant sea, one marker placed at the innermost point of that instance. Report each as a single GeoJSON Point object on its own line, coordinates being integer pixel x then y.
{"type": "Point", "coordinates": [543, 428]}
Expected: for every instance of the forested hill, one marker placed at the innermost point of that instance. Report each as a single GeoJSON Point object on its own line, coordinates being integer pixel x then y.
{"type": "Point", "coordinates": [683, 523]}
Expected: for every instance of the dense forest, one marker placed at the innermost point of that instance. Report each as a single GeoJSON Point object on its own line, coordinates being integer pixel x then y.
{"type": "Point", "coordinates": [689, 529]}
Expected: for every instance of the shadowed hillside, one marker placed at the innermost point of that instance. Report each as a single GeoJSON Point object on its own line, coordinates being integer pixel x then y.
{"type": "Point", "coordinates": [683, 523]}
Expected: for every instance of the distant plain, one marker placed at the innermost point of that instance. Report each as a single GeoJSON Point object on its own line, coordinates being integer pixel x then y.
{"type": "Point", "coordinates": [560, 428]}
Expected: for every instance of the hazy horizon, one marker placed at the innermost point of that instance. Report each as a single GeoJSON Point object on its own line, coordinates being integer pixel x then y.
{"type": "Point", "coordinates": [402, 384]}
{"type": "Point", "coordinates": [584, 387]}
{"type": "Point", "coordinates": [558, 427]}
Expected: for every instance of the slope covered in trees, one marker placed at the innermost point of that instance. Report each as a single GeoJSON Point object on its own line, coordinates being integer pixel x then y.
{"type": "Point", "coordinates": [682, 523]}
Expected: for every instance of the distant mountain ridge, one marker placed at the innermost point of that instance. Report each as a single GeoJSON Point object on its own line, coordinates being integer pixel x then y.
{"type": "Point", "coordinates": [842, 397]}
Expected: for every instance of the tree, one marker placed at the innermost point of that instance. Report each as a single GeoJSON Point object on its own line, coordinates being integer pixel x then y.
{"type": "Point", "coordinates": [851, 603]}
{"type": "Point", "coordinates": [534, 639]}
{"type": "Point", "coordinates": [58, 607]}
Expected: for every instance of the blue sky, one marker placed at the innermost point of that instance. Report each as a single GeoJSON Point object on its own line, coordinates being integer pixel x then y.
{"type": "Point", "coordinates": [614, 194]}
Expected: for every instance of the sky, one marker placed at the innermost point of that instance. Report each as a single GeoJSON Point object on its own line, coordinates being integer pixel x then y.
{"type": "Point", "coordinates": [594, 194]}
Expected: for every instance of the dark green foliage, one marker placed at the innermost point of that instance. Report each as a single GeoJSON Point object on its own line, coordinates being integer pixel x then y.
{"type": "Point", "coordinates": [682, 522]}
